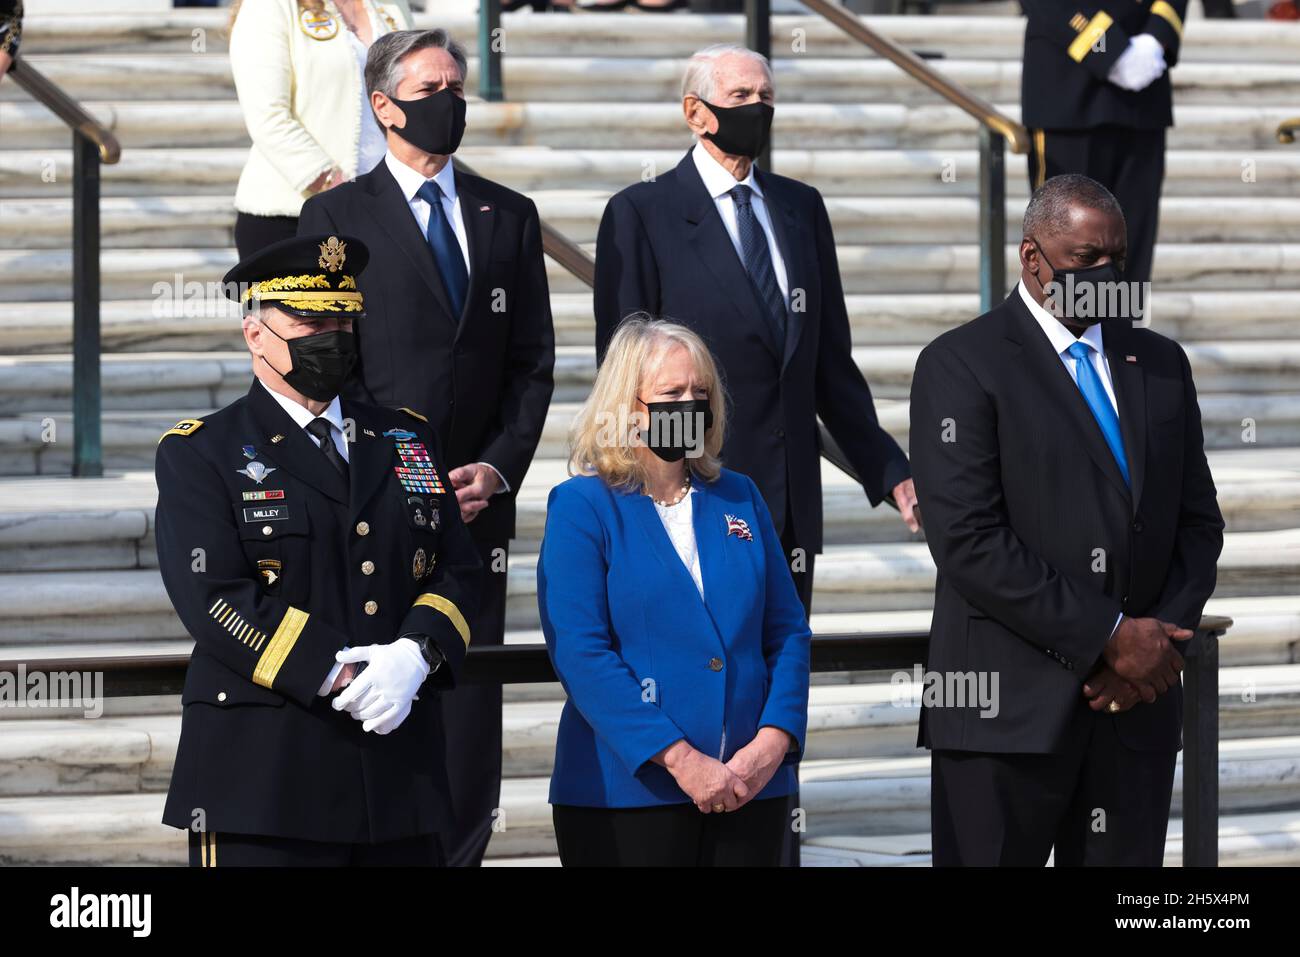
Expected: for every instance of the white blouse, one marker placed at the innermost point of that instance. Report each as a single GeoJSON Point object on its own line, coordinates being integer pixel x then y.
{"type": "Point", "coordinates": [679, 524]}
{"type": "Point", "coordinates": [372, 144]}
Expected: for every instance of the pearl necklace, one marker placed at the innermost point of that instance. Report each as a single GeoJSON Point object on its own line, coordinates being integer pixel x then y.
{"type": "Point", "coordinates": [680, 495]}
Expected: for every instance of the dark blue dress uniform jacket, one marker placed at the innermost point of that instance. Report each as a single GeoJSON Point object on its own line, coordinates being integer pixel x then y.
{"type": "Point", "coordinates": [645, 660]}
{"type": "Point", "coordinates": [271, 587]}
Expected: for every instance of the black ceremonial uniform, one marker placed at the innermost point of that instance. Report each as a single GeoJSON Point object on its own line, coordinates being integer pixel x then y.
{"type": "Point", "coordinates": [275, 560]}
{"type": "Point", "coordinates": [1082, 123]}
{"type": "Point", "coordinates": [11, 26]}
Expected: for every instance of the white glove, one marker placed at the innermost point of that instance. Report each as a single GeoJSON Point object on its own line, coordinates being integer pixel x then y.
{"type": "Point", "coordinates": [380, 697]}
{"type": "Point", "coordinates": [1140, 64]}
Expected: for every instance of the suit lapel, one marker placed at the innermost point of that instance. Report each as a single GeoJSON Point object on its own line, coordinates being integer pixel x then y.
{"type": "Point", "coordinates": [712, 244]}
{"type": "Point", "coordinates": [479, 217]}
{"type": "Point", "coordinates": [1131, 397]}
{"type": "Point", "coordinates": [1045, 366]}
{"type": "Point", "coordinates": [791, 240]}
{"type": "Point", "coordinates": [369, 456]}
{"type": "Point", "coordinates": [663, 549]}
{"type": "Point", "coordinates": [294, 450]}
{"type": "Point", "coordinates": [713, 555]}
{"type": "Point", "coordinates": [393, 214]}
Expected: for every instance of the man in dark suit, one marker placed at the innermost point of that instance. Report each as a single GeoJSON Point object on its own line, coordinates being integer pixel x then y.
{"type": "Point", "coordinates": [459, 326]}
{"type": "Point", "coordinates": [1070, 510]}
{"type": "Point", "coordinates": [301, 538]}
{"type": "Point", "coordinates": [747, 259]}
{"type": "Point", "coordinates": [1096, 95]}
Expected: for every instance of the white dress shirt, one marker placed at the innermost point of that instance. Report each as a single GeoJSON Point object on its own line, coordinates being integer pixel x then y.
{"type": "Point", "coordinates": [1061, 339]}
{"type": "Point", "coordinates": [679, 523]}
{"type": "Point", "coordinates": [719, 184]}
{"type": "Point", "coordinates": [409, 182]}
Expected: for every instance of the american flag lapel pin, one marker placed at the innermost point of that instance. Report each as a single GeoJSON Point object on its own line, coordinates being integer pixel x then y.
{"type": "Point", "coordinates": [1132, 359]}
{"type": "Point", "coordinates": [484, 208]}
{"type": "Point", "coordinates": [738, 527]}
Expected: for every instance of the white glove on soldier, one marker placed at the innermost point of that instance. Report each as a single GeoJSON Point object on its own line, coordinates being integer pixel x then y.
{"type": "Point", "coordinates": [380, 697]}
{"type": "Point", "coordinates": [1140, 64]}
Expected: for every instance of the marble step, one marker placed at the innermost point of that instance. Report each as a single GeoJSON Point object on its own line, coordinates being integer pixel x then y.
{"type": "Point", "coordinates": [168, 275]}
{"type": "Point", "coordinates": [197, 323]}
{"type": "Point", "coordinates": [116, 605]}
{"type": "Point", "coordinates": [136, 753]}
{"type": "Point", "coordinates": [859, 797]}
{"type": "Point", "coordinates": [183, 171]}
{"type": "Point", "coordinates": [168, 222]}
{"type": "Point", "coordinates": [202, 32]}
{"type": "Point", "coordinates": [41, 443]}
{"type": "Point", "coordinates": [810, 78]}
{"type": "Point", "coordinates": [220, 123]}
{"type": "Point", "coordinates": [163, 381]}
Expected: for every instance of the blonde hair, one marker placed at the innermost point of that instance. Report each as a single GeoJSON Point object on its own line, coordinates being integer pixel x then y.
{"type": "Point", "coordinates": [600, 438]}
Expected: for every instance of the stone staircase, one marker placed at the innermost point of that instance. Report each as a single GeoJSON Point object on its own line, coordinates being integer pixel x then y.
{"type": "Point", "coordinates": [593, 102]}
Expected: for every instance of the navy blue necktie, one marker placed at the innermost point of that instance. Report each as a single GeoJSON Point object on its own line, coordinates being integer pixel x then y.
{"type": "Point", "coordinates": [1094, 393]}
{"type": "Point", "coordinates": [446, 249]}
{"type": "Point", "coordinates": [758, 258]}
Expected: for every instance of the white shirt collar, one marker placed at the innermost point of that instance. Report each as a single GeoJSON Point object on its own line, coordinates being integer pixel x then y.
{"type": "Point", "coordinates": [716, 178]}
{"type": "Point", "coordinates": [1060, 337]}
{"type": "Point", "coordinates": [302, 415]}
{"type": "Point", "coordinates": [410, 180]}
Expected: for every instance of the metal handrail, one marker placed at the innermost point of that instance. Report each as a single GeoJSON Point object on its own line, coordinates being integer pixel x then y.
{"type": "Point", "coordinates": [93, 144]}
{"type": "Point", "coordinates": [46, 92]}
{"type": "Point", "coordinates": [988, 115]}
{"type": "Point", "coordinates": [138, 675]}
{"type": "Point", "coordinates": [1287, 129]}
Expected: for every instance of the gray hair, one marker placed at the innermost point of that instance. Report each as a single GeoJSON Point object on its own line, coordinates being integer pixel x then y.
{"type": "Point", "coordinates": [384, 70]}
{"type": "Point", "coordinates": [699, 80]}
{"type": "Point", "coordinates": [1049, 207]}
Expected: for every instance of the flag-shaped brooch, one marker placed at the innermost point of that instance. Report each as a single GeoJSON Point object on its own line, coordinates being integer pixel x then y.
{"type": "Point", "coordinates": [738, 527]}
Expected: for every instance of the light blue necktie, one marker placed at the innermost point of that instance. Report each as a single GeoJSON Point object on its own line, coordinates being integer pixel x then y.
{"type": "Point", "coordinates": [1094, 393]}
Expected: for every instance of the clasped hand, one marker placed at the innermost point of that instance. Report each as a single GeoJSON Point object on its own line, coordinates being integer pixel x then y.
{"type": "Point", "coordinates": [713, 785]}
{"type": "Point", "coordinates": [380, 697]}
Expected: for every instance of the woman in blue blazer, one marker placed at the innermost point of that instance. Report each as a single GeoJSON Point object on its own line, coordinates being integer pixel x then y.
{"type": "Point", "coordinates": [673, 623]}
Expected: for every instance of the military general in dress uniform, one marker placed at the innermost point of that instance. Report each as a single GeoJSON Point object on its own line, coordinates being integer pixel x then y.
{"type": "Point", "coordinates": [1096, 95]}
{"type": "Point", "coordinates": [315, 552]}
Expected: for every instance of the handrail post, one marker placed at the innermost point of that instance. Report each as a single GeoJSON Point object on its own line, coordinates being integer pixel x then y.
{"type": "Point", "coordinates": [758, 37]}
{"type": "Point", "coordinates": [993, 218]}
{"type": "Point", "coordinates": [490, 86]}
{"type": "Point", "coordinates": [1201, 750]}
{"type": "Point", "coordinates": [87, 454]}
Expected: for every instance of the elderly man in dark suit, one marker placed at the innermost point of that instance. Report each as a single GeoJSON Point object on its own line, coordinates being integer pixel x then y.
{"type": "Point", "coordinates": [1070, 511]}
{"type": "Point", "coordinates": [747, 259]}
{"type": "Point", "coordinates": [458, 328]}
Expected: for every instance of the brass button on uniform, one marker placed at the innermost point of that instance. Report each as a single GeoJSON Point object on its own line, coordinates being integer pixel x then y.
{"type": "Point", "coordinates": [372, 607]}
{"type": "Point", "coordinates": [363, 528]}
{"type": "Point", "coordinates": [367, 567]}
{"type": "Point", "coordinates": [221, 696]}
{"type": "Point", "coordinates": [715, 664]}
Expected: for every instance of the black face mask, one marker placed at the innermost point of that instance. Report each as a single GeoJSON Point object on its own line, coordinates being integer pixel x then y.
{"type": "Point", "coordinates": [321, 362]}
{"type": "Point", "coordinates": [742, 130]}
{"type": "Point", "coordinates": [434, 123]}
{"type": "Point", "coordinates": [1082, 300]}
{"type": "Point", "coordinates": [675, 427]}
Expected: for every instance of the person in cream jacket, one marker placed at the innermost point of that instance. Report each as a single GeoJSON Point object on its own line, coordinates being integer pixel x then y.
{"type": "Point", "coordinates": [298, 67]}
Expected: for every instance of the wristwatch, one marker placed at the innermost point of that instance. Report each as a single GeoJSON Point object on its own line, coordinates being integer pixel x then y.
{"type": "Point", "coordinates": [432, 656]}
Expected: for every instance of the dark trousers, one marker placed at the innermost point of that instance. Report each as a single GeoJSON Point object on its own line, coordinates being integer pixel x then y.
{"type": "Point", "coordinates": [471, 717]}
{"type": "Point", "coordinates": [253, 233]}
{"type": "Point", "coordinates": [213, 849]}
{"type": "Point", "coordinates": [675, 835]}
{"type": "Point", "coordinates": [1130, 163]}
{"type": "Point", "coordinates": [1097, 802]}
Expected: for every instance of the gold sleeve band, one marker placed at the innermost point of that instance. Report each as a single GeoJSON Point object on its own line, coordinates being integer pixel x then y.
{"type": "Point", "coordinates": [277, 650]}
{"type": "Point", "coordinates": [1089, 35]}
{"type": "Point", "coordinates": [449, 609]}
{"type": "Point", "coordinates": [1163, 10]}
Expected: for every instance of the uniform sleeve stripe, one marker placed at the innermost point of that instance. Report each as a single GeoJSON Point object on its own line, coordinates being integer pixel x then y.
{"type": "Point", "coordinates": [449, 609]}
{"type": "Point", "coordinates": [282, 642]}
{"type": "Point", "coordinates": [1163, 10]}
{"type": "Point", "coordinates": [1088, 37]}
